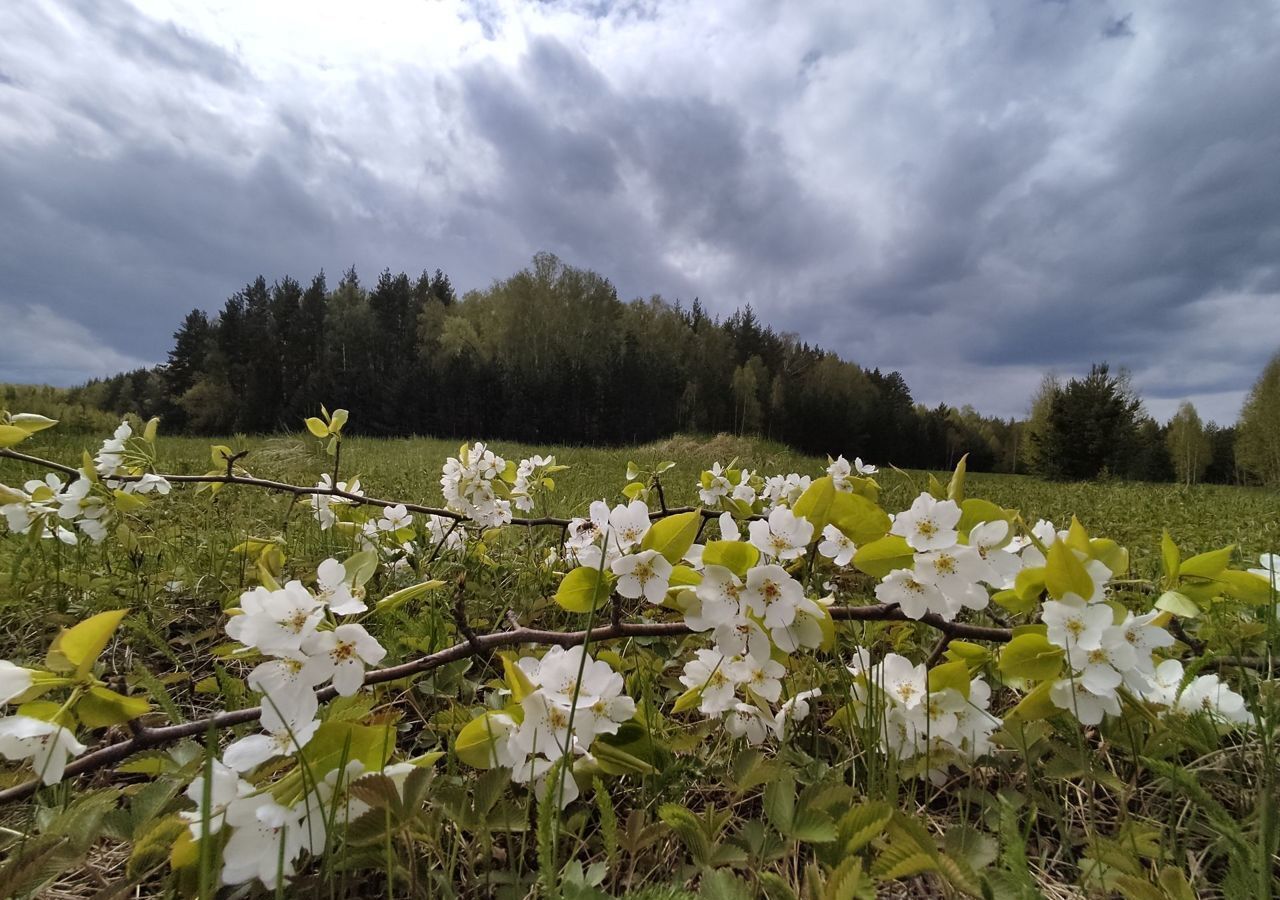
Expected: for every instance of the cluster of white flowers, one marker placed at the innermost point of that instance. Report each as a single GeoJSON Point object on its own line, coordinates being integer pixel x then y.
{"type": "Point", "coordinates": [58, 509]}
{"type": "Point", "coordinates": [912, 721]}
{"type": "Point", "coordinates": [574, 700]}
{"type": "Point", "coordinates": [284, 624]}
{"type": "Point", "coordinates": [841, 471]}
{"type": "Point", "coordinates": [47, 744]}
{"type": "Point", "coordinates": [468, 481]}
{"type": "Point", "coordinates": [267, 835]}
{"type": "Point", "coordinates": [783, 490]}
{"type": "Point", "coordinates": [1204, 694]}
{"type": "Point", "coordinates": [55, 508]}
{"type": "Point", "coordinates": [946, 575]}
{"type": "Point", "coordinates": [529, 475]}
{"type": "Point", "coordinates": [606, 536]}
{"type": "Point", "coordinates": [718, 483]}
{"type": "Point", "coordinates": [326, 506]}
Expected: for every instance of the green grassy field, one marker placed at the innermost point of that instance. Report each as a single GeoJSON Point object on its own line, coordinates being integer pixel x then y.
{"type": "Point", "coordinates": [1069, 814]}
{"type": "Point", "coordinates": [1133, 513]}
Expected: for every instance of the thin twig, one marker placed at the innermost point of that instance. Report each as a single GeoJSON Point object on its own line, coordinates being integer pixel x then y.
{"type": "Point", "coordinates": [304, 490]}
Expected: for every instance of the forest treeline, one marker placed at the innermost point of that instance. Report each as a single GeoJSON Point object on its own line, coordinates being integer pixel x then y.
{"type": "Point", "coordinates": [552, 355]}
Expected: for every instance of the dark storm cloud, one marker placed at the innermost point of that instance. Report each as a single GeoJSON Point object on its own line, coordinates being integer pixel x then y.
{"type": "Point", "coordinates": [971, 195]}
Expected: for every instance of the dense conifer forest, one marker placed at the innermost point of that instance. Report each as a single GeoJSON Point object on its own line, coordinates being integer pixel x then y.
{"type": "Point", "coordinates": [552, 355]}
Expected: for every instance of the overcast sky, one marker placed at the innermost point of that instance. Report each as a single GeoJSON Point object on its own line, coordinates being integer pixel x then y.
{"type": "Point", "coordinates": [972, 193]}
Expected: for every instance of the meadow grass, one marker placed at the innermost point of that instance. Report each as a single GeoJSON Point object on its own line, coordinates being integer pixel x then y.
{"type": "Point", "coordinates": [1038, 833]}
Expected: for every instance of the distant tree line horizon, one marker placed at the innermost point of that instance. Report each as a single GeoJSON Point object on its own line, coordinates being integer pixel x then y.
{"type": "Point", "coordinates": [552, 356]}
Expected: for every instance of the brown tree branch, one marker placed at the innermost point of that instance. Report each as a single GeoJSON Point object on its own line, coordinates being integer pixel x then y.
{"type": "Point", "coordinates": [147, 737]}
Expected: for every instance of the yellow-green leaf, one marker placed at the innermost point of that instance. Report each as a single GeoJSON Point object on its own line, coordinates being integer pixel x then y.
{"type": "Point", "coordinates": [10, 435]}
{"type": "Point", "coordinates": [102, 707]}
{"type": "Point", "coordinates": [859, 519]}
{"type": "Point", "coordinates": [690, 699]}
{"type": "Point", "coordinates": [673, 536]}
{"type": "Point", "coordinates": [1036, 705]}
{"type": "Point", "coordinates": [1177, 603]}
{"type": "Point", "coordinates": [317, 427]}
{"type": "Point", "coordinates": [1065, 574]}
{"type": "Point", "coordinates": [953, 675]}
{"type": "Point", "coordinates": [815, 503]}
{"type": "Point", "coordinates": [882, 556]}
{"type": "Point", "coordinates": [1207, 565]}
{"type": "Point", "coordinates": [31, 423]}
{"type": "Point", "coordinates": [516, 679]}
{"type": "Point", "coordinates": [126, 502]}
{"type": "Point", "coordinates": [583, 589]}
{"type": "Point", "coordinates": [736, 556]}
{"type": "Point", "coordinates": [77, 648]}
{"type": "Point", "coordinates": [955, 489]}
{"type": "Point", "coordinates": [476, 742]}
{"type": "Point", "coordinates": [975, 511]}
{"type": "Point", "coordinates": [404, 595]}
{"type": "Point", "coordinates": [1032, 657]}
{"type": "Point", "coordinates": [1170, 557]}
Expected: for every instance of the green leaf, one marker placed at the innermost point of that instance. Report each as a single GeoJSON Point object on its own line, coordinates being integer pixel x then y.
{"type": "Point", "coordinates": [863, 823]}
{"type": "Point", "coordinates": [126, 502]}
{"type": "Point", "coordinates": [616, 761]}
{"type": "Point", "coordinates": [722, 884]}
{"type": "Point", "coordinates": [1065, 574]}
{"type": "Point", "coordinates": [404, 595]}
{"type": "Point", "coordinates": [1016, 604]}
{"type": "Point", "coordinates": [881, 557]}
{"type": "Point", "coordinates": [360, 567]}
{"type": "Point", "coordinates": [735, 556]}
{"type": "Point", "coordinates": [684, 576]}
{"type": "Point", "coordinates": [102, 707]}
{"type": "Point", "coordinates": [673, 536]}
{"type": "Point", "coordinates": [1030, 584]}
{"type": "Point", "coordinates": [1032, 657]}
{"type": "Point", "coordinates": [813, 826]}
{"type": "Point", "coordinates": [1177, 603]}
{"type": "Point", "coordinates": [77, 648]}
{"type": "Point", "coordinates": [583, 589]}
{"type": "Point", "coordinates": [475, 743]}
{"type": "Point", "coordinates": [779, 800]}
